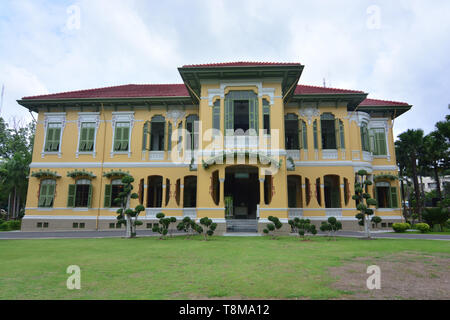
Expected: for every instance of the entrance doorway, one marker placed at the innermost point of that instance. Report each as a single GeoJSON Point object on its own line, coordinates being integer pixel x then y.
{"type": "Point", "coordinates": [241, 192]}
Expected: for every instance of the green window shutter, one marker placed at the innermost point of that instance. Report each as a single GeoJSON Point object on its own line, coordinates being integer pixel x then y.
{"type": "Point", "coordinates": [91, 138]}
{"type": "Point", "coordinates": [117, 138]}
{"type": "Point", "coordinates": [83, 138]}
{"type": "Point", "coordinates": [89, 202]}
{"type": "Point", "coordinates": [337, 134]}
{"type": "Point", "coordinates": [108, 194]}
{"type": "Point", "coordinates": [125, 137]}
{"type": "Point", "coordinates": [50, 195]}
{"type": "Point", "coordinates": [42, 195]}
{"type": "Point", "coordinates": [315, 135]}
{"type": "Point", "coordinates": [56, 137]}
{"type": "Point", "coordinates": [229, 114]}
{"type": "Point", "coordinates": [71, 196]}
{"type": "Point", "coordinates": [49, 139]}
{"type": "Point", "coordinates": [305, 135]}
{"type": "Point", "coordinates": [375, 194]}
{"type": "Point", "coordinates": [300, 133]}
{"type": "Point", "coordinates": [253, 114]}
{"type": "Point", "coordinates": [342, 134]}
{"type": "Point", "coordinates": [372, 142]}
{"type": "Point", "coordinates": [380, 138]}
{"type": "Point", "coordinates": [145, 133]}
{"type": "Point", "coordinates": [394, 197]}
{"type": "Point", "coordinates": [169, 137]}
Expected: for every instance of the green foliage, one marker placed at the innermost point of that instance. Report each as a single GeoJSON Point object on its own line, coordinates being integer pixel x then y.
{"type": "Point", "coordinates": [376, 220]}
{"type": "Point", "coordinates": [434, 216]}
{"type": "Point", "coordinates": [423, 227]}
{"type": "Point", "coordinates": [271, 227]}
{"type": "Point", "coordinates": [331, 226]}
{"type": "Point", "coordinates": [163, 224]}
{"type": "Point", "coordinates": [80, 173]}
{"type": "Point", "coordinates": [45, 174]}
{"type": "Point", "coordinates": [209, 227]}
{"type": "Point", "coordinates": [115, 173]}
{"type": "Point", "coordinates": [401, 227]}
{"type": "Point", "coordinates": [302, 227]}
{"type": "Point", "coordinates": [10, 225]}
{"type": "Point", "coordinates": [187, 225]}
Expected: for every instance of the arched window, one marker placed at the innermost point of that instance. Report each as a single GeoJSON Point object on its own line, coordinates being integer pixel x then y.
{"type": "Point", "coordinates": [291, 132]}
{"type": "Point", "coordinates": [318, 193]}
{"type": "Point", "coordinates": [190, 192]}
{"type": "Point", "coordinates": [328, 130]}
{"type": "Point", "coordinates": [215, 187]}
{"type": "Point", "coordinates": [154, 191]}
{"type": "Point", "coordinates": [268, 186]}
{"type": "Point", "coordinates": [80, 194]}
{"type": "Point", "coordinates": [294, 191]}
{"type": "Point", "coordinates": [332, 191]}
{"type": "Point", "coordinates": [46, 193]}
{"type": "Point", "coordinates": [157, 133]}
{"type": "Point", "coordinates": [307, 191]}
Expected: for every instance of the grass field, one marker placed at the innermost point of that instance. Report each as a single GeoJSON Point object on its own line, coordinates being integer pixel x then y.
{"type": "Point", "coordinates": [224, 267]}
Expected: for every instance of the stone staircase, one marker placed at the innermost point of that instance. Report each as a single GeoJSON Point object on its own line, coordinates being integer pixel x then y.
{"type": "Point", "coordinates": [242, 225]}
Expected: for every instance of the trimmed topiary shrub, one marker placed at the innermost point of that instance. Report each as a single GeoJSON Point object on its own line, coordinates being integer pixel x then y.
{"type": "Point", "coordinates": [401, 227]}
{"type": "Point", "coordinates": [271, 227]}
{"type": "Point", "coordinates": [423, 227]}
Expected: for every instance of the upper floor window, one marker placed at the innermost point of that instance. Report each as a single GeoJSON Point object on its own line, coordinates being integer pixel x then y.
{"type": "Point", "coordinates": [315, 134]}
{"type": "Point", "coordinates": [364, 138]}
{"type": "Point", "coordinates": [303, 135]}
{"type": "Point", "coordinates": [341, 135]}
{"type": "Point", "coordinates": [53, 137]}
{"type": "Point", "coordinates": [291, 132]}
{"type": "Point", "coordinates": [121, 136]}
{"type": "Point", "coordinates": [46, 193]}
{"type": "Point", "coordinates": [192, 130]}
{"type": "Point", "coordinates": [378, 141]}
{"type": "Point", "coordinates": [87, 136]}
{"type": "Point", "coordinates": [328, 128]}
{"type": "Point", "coordinates": [158, 124]}
{"type": "Point", "coordinates": [241, 111]}
{"type": "Point", "coordinates": [266, 116]}
{"type": "Point", "coordinates": [216, 115]}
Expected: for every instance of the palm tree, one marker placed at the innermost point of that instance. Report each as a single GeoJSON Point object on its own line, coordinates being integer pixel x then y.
{"type": "Point", "coordinates": [410, 145]}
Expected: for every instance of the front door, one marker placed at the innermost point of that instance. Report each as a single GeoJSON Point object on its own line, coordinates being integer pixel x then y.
{"type": "Point", "coordinates": [241, 192]}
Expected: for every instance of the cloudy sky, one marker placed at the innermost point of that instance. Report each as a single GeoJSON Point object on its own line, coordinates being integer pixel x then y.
{"type": "Point", "coordinates": [395, 50]}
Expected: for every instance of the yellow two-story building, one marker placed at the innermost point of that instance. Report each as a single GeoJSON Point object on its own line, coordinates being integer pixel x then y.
{"type": "Point", "coordinates": [236, 142]}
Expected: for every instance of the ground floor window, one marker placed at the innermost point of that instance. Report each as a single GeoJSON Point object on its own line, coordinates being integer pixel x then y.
{"type": "Point", "coordinates": [47, 193]}
{"type": "Point", "coordinates": [386, 195]}
{"type": "Point", "coordinates": [154, 192]}
{"type": "Point", "coordinates": [190, 192]}
{"type": "Point", "coordinates": [295, 191]}
{"type": "Point", "coordinates": [112, 192]}
{"type": "Point", "coordinates": [80, 194]}
{"type": "Point", "coordinates": [332, 191]}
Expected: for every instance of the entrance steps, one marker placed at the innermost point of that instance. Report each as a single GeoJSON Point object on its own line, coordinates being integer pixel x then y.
{"type": "Point", "coordinates": [242, 225]}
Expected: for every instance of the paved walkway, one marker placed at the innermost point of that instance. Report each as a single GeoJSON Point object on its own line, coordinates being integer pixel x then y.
{"type": "Point", "coordinates": [147, 233]}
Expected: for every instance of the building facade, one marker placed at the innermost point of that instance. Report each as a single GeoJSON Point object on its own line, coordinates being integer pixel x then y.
{"type": "Point", "coordinates": [236, 142]}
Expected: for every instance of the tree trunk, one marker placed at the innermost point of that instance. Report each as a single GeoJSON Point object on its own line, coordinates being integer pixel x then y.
{"type": "Point", "coordinates": [402, 187]}
{"type": "Point", "coordinates": [128, 233]}
{"type": "Point", "coordinates": [416, 188]}
{"type": "Point", "coordinates": [438, 184]}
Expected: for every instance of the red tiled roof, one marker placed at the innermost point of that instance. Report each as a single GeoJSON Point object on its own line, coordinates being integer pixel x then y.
{"type": "Point", "coordinates": [124, 91]}
{"type": "Point", "coordinates": [303, 89]}
{"type": "Point", "coordinates": [380, 103]}
{"type": "Point", "coordinates": [241, 64]}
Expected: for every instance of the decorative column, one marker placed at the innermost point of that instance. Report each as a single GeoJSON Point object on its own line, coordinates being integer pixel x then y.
{"type": "Point", "coordinates": [163, 204]}
{"type": "Point", "coordinates": [181, 195]}
{"type": "Point", "coordinates": [342, 189]}
{"type": "Point", "coordinates": [261, 191]}
{"type": "Point", "coordinates": [222, 192]}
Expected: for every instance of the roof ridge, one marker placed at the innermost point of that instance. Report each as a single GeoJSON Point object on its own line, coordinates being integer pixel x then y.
{"type": "Point", "coordinates": [383, 100]}
{"type": "Point", "coordinates": [331, 88]}
{"type": "Point", "coordinates": [234, 63]}
{"type": "Point", "coordinates": [102, 88]}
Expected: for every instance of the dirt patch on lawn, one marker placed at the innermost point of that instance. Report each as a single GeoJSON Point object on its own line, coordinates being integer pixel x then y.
{"type": "Point", "coordinates": [403, 276]}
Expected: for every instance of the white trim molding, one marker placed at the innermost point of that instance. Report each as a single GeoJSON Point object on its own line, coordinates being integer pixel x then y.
{"type": "Point", "coordinates": [122, 116]}
{"type": "Point", "coordinates": [53, 117]}
{"type": "Point", "coordinates": [87, 117]}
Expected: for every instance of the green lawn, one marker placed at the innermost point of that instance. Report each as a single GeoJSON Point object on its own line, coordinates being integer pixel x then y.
{"type": "Point", "coordinates": [148, 268]}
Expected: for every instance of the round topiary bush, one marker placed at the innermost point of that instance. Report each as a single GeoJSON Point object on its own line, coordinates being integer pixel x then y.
{"type": "Point", "coordinates": [423, 227]}
{"type": "Point", "coordinates": [401, 227]}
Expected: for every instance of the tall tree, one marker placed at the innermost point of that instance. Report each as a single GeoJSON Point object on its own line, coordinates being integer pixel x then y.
{"type": "Point", "coordinates": [410, 144]}
{"type": "Point", "coordinates": [434, 155]}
